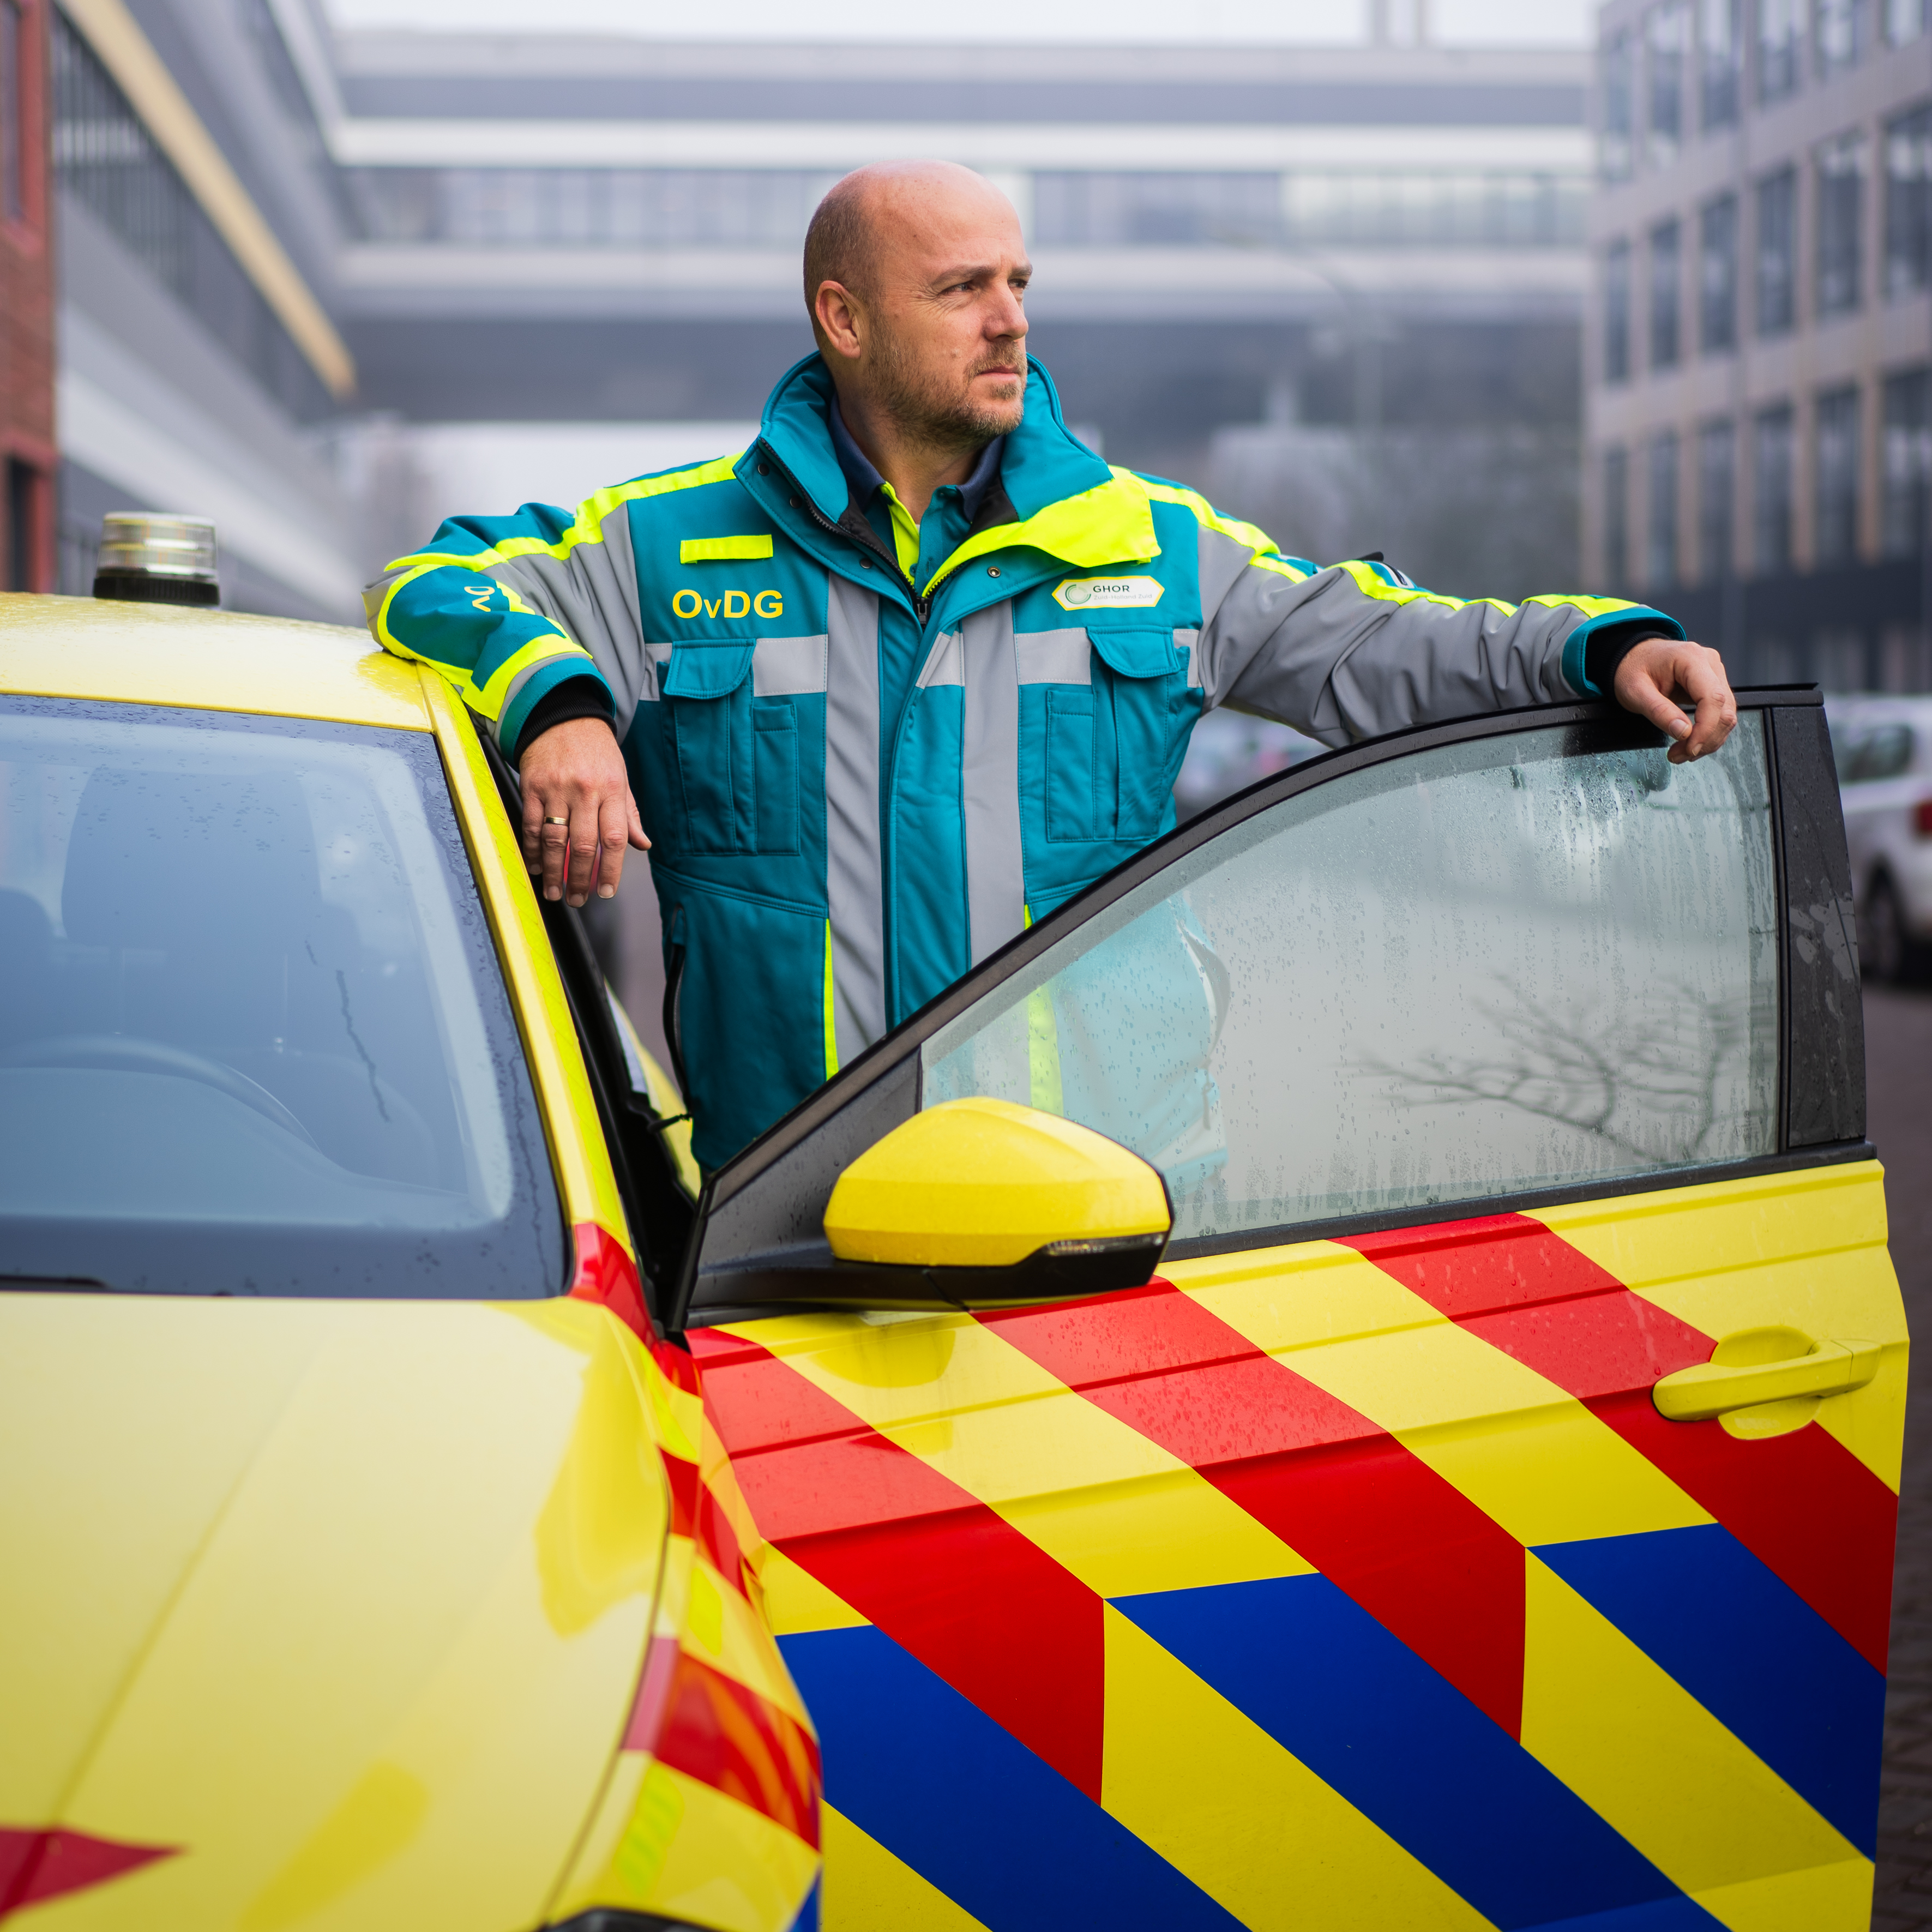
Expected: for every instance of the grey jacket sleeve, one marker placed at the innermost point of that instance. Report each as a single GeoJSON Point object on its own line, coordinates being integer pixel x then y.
{"type": "Point", "coordinates": [1354, 650]}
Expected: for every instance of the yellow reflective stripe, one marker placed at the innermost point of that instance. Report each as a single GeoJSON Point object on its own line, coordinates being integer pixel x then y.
{"type": "Point", "coordinates": [905, 532]}
{"type": "Point", "coordinates": [1185, 1770]}
{"type": "Point", "coordinates": [1647, 1757]}
{"type": "Point", "coordinates": [1370, 583]}
{"type": "Point", "coordinates": [488, 699]}
{"type": "Point", "coordinates": [723, 550]}
{"type": "Point", "coordinates": [831, 1027]}
{"type": "Point", "coordinates": [1591, 606]}
{"type": "Point", "coordinates": [1112, 523]}
{"type": "Point", "coordinates": [1043, 1088]}
{"type": "Point", "coordinates": [588, 526]}
{"type": "Point", "coordinates": [1204, 513]}
{"type": "Point", "coordinates": [1280, 566]}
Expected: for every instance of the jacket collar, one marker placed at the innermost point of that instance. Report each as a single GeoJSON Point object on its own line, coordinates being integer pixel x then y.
{"type": "Point", "coordinates": [1065, 499]}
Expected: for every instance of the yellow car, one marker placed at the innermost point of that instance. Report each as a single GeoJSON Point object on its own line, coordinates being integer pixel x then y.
{"type": "Point", "coordinates": [1349, 1377]}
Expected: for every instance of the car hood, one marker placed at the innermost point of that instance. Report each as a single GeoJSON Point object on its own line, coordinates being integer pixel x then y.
{"type": "Point", "coordinates": [326, 1614]}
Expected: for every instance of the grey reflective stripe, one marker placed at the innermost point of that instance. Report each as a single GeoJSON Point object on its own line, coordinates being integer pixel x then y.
{"type": "Point", "coordinates": [1220, 561]}
{"type": "Point", "coordinates": [781, 667]}
{"type": "Point", "coordinates": [990, 781]}
{"type": "Point", "coordinates": [1054, 657]}
{"type": "Point", "coordinates": [946, 665]}
{"type": "Point", "coordinates": [853, 895]}
{"type": "Point", "coordinates": [788, 667]}
{"type": "Point", "coordinates": [591, 591]}
{"type": "Point", "coordinates": [1189, 641]}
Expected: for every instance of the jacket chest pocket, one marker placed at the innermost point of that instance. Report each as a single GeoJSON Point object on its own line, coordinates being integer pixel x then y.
{"type": "Point", "coordinates": [735, 756]}
{"type": "Point", "coordinates": [1112, 748]}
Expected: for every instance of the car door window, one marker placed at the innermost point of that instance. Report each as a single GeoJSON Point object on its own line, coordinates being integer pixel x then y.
{"type": "Point", "coordinates": [1510, 965]}
{"type": "Point", "coordinates": [253, 1035]}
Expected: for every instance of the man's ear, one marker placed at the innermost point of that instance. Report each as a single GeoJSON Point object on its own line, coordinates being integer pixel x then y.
{"type": "Point", "coordinates": [841, 320]}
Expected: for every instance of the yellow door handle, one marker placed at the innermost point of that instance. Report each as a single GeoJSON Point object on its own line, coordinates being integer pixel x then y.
{"type": "Point", "coordinates": [1712, 1388]}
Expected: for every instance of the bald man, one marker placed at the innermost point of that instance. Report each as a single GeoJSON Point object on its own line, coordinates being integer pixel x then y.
{"type": "Point", "coordinates": [917, 666]}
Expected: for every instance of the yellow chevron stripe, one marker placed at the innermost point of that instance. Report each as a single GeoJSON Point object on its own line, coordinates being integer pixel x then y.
{"type": "Point", "coordinates": [869, 1889]}
{"type": "Point", "coordinates": [1806, 1250]}
{"type": "Point", "coordinates": [1117, 1510]}
{"type": "Point", "coordinates": [1250, 1824]}
{"type": "Point", "coordinates": [1523, 1450]}
{"type": "Point", "coordinates": [795, 1600]}
{"type": "Point", "coordinates": [1640, 1750]}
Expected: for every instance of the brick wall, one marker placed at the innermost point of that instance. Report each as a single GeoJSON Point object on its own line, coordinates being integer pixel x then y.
{"type": "Point", "coordinates": [29, 456]}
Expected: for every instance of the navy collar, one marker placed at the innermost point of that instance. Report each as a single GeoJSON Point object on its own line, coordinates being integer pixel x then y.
{"type": "Point", "coordinates": [864, 477]}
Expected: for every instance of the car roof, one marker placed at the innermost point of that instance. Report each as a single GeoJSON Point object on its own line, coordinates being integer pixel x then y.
{"type": "Point", "coordinates": [204, 661]}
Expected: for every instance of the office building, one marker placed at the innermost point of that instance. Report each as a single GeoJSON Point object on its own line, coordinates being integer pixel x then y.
{"type": "Point", "coordinates": [26, 303]}
{"type": "Point", "coordinates": [1759, 345]}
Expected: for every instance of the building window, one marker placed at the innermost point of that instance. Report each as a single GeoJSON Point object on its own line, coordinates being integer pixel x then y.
{"type": "Point", "coordinates": [1716, 498]}
{"type": "Point", "coordinates": [1718, 276]}
{"type": "Point", "coordinates": [1720, 57]}
{"type": "Point", "coordinates": [1619, 72]}
{"type": "Point", "coordinates": [1906, 510]}
{"type": "Point", "coordinates": [1904, 20]}
{"type": "Point", "coordinates": [1777, 252]}
{"type": "Point", "coordinates": [1660, 550]}
{"type": "Point", "coordinates": [1837, 476]}
{"type": "Point", "coordinates": [1841, 197]}
{"type": "Point", "coordinates": [1771, 449]}
{"type": "Point", "coordinates": [1781, 40]}
{"type": "Point", "coordinates": [105, 156]}
{"type": "Point", "coordinates": [1617, 312]}
{"type": "Point", "coordinates": [13, 119]}
{"type": "Point", "coordinates": [1666, 293]}
{"type": "Point", "coordinates": [1616, 517]}
{"type": "Point", "coordinates": [23, 496]}
{"type": "Point", "coordinates": [1908, 203]}
{"type": "Point", "coordinates": [1843, 31]}
{"type": "Point", "coordinates": [1666, 41]}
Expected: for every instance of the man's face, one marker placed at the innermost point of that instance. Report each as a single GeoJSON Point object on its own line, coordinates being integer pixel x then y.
{"type": "Point", "coordinates": [945, 351]}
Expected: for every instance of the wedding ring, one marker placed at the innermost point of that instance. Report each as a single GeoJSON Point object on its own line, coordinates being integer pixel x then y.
{"type": "Point", "coordinates": [556, 821]}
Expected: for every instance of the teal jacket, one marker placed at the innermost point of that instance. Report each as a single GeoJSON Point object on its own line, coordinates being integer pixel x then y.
{"type": "Point", "coordinates": [866, 764]}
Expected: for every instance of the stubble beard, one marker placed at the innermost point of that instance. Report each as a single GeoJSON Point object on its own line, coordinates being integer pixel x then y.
{"type": "Point", "coordinates": [941, 420]}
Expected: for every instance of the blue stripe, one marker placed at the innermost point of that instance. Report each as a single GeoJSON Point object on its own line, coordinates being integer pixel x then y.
{"type": "Point", "coordinates": [807, 1920]}
{"type": "Point", "coordinates": [941, 1786]}
{"type": "Point", "coordinates": [1753, 1652]}
{"type": "Point", "coordinates": [1363, 1712]}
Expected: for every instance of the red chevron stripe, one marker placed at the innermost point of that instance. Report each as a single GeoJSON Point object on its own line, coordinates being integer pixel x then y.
{"type": "Point", "coordinates": [1802, 1504]}
{"type": "Point", "coordinates": [717, 1731]}
{"type": "Point", "coordinates": [933, 1567]}
{"type": "Point", "coordinates": [1409, 1547]}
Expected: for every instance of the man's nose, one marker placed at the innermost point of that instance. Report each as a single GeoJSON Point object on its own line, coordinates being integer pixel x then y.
{"type": "Point", "coordinates": [1006, 320]}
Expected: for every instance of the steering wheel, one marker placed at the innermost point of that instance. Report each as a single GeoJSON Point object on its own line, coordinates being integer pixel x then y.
{"type": "Point", "coordinates": [124, 1053]}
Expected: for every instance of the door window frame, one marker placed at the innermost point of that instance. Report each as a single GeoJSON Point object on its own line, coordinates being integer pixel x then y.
{"type": "Point", "coordinates": [758, 1246]}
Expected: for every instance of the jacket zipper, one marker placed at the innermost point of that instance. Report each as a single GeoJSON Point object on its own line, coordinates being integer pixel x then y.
{"type": "Point", "coordinates": [922, 606]}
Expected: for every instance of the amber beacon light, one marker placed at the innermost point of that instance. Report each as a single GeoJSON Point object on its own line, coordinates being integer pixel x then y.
{"type": "Point", "coordinates": [148, 558]}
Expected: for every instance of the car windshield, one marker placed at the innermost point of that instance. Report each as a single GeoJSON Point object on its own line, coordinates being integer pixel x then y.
{"type": "Point", "coordinates": [254, 1035]}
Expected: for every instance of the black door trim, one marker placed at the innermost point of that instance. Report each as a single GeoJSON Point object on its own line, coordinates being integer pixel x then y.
{"type": "Point", "coordinates": [737, 1235]}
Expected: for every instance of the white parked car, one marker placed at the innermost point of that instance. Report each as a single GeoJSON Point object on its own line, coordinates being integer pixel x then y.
{"type": "Point", "coordinates": [1884, 750]}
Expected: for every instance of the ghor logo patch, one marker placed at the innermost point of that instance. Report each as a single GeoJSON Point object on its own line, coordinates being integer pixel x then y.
{"type": "Point", "coordinates": [1107, 593]}
{"type": "Point", "coordinates": [768, 604]}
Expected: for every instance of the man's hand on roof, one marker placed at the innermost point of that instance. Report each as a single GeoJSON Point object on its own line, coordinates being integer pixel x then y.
{"type": "Point", "coordinates": [575, 773]}
{"type": "Point", "coordinates": [1659, 677]}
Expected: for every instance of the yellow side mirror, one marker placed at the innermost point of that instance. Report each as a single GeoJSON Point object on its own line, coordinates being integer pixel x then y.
{"type": "Point", "coordinates": [985, 1185]}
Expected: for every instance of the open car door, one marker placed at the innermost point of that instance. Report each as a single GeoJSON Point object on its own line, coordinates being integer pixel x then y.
{"type": "Point", "coordinates": [1484, 1516]}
